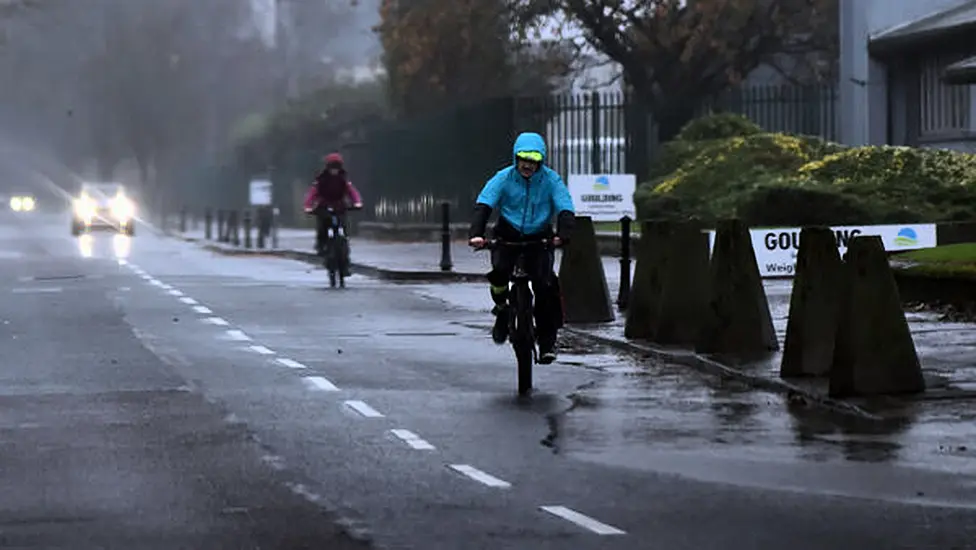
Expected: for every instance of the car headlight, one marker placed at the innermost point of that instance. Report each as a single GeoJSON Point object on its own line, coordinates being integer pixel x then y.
{"type": "Point", "coordinates": [85, 207]}
{"type": "Point", "coordinates": [123, 208]}
{"type": "Point", "coordinates": [16, 204]}
{"type": "Point", "coordinates": [27, 204]}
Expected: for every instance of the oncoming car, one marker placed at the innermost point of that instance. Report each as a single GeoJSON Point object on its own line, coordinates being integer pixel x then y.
{"type": "Point", "coordinates": [103, 206]}
{"type": "Point", "coordinates": [23, 203]}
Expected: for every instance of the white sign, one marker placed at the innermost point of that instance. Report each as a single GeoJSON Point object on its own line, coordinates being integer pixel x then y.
{"type": "Point", "coordinates": [603, 197]}
{"type": "Point", "coordinates": [776, 248]}
{"type": "Point", "coordinates": [260, 193]}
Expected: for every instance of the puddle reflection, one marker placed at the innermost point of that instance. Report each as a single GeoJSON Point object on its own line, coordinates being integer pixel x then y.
{"type": "Point", "coordinates": [91, 247]}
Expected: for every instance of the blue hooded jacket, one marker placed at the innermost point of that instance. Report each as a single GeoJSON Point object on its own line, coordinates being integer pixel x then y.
{"type": "Point", "coordinates": [529, 205]}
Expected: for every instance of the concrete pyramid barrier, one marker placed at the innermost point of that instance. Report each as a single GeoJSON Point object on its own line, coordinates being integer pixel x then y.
{"type": "Point", "coordinates": [814, 306]}
{"type": "Point", "coordinates": [874, 352]}
{"type": "Point", "coordinates": [737, 319]}
{"type": "Point", "coordinates": [684, 286]}
{"type": "Point", "coordinates": [586, 297]}
{"type": "Point", "coordinates": [645, 292]}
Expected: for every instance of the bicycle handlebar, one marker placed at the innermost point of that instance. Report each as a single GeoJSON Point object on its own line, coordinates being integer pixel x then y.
{"type": "Point", "coordinates": [496, 243]}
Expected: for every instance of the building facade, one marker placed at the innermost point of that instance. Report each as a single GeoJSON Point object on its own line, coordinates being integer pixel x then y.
{"type": "Point", "coordinates": [903, 73]}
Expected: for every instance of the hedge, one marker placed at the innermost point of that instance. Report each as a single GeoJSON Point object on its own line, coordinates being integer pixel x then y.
{"type": "Point", "coordinates": [724, 165]}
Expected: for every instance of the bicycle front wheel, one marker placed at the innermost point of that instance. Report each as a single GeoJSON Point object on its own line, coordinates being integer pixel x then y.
{"type": "Point", "coordinates": [523, 336]}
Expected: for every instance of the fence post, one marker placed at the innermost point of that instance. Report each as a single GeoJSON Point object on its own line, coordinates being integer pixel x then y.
{"type": "Point", "coordinates": [446, 264]}
{"type": "Point", "coordinates": [595, 152]}
{"type": "Point", "coordinates": [623, 295]}
{"type": "Point", "coordinates": [183, 219]}
{"type": "Point", "coordinates": [207, 221]}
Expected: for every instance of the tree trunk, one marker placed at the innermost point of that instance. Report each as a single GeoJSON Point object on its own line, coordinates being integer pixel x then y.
{"type": "Point", "coordinates": [671, 119]}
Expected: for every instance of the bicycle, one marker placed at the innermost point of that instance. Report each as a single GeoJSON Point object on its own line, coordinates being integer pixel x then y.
{"type": "Point", "coordinates": [335, 246]}
{"type": "Point", "coordinates": [521, 321]}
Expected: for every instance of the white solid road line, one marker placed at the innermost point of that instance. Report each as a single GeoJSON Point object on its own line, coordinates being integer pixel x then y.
{"type": "Point", "coordinates": [175, 292]}
{"type": "Point", "coordinates": [238, 335]}
{"type": "Point", "coordinates": [413, 440]}
{"type": "Point", "coordinates": [38, 290]}
{"type": "Point", "coordinates": [216, 321]}
{"type": "Point", "coordinates": [188, 301]}
{"type": "Point", "coordinates": [585, 522]}
{"type": "Point", "coordinates": [262, 350]}
{"type": "Point", "coordinates": [290, 363]}
{"type": "Point", "coordinates": [203, 309]}
{"type": "Point", "coordinates": [362, 408]}
{"type": "Point", "coordinates": [479, 476]}
{"type": "Point", "coordinates": [319, 383]}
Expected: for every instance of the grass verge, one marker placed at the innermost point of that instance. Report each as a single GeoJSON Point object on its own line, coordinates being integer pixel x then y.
{"type": "Point", "coordinates": [953, 261]}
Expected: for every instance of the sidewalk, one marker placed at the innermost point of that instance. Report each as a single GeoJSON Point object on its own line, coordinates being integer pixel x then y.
{"type": "Point", "coordinates": [947, 350]}
{"type": "Point", "coordinates": [409, 261]}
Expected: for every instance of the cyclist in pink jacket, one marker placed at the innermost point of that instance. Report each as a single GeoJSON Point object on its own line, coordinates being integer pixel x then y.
{"type": "Point", "coordinates": [331, 190]}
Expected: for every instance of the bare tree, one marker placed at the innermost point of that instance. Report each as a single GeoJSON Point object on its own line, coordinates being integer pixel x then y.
{"type": "Point", "coordinates": [675, 54]}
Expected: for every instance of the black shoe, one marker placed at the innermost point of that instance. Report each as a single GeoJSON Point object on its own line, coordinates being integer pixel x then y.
{"type": "Point", "coordinates": [499, 332]}
{"type": "Point", "coordinates": [547, 351]}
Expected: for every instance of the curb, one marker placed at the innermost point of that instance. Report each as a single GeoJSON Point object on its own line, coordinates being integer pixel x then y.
{"type": "Point", "coordinates": [687, 358]}
{"type": "Point", "coordinates": [360, 268]}
{"type": "Point", "coordinates": [707, 365]}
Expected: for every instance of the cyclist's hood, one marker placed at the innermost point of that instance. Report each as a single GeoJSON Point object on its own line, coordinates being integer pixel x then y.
{"type": "Point", "coordinates": [529, 141]}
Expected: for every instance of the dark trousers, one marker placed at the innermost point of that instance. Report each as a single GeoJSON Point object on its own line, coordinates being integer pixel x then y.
{"type": "Point", "coordinates": [545, 287]}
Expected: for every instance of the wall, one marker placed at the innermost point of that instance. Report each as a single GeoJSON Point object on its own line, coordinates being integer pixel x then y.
{"type": "Point", "coordinates": [864, 81]}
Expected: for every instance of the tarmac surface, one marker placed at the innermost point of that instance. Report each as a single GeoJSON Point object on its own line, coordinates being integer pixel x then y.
{"type": "Point", "coordinates": [156, 395]}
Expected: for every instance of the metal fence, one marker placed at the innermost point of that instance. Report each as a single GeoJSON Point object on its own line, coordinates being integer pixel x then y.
{"type": "Point", "coordinates": [405, 169]}
{"type": "Point", "coordinates": [804, 110]}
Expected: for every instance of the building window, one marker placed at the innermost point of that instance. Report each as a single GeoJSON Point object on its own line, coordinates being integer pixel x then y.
{"type": "Point", "coordinates": [944, 109]}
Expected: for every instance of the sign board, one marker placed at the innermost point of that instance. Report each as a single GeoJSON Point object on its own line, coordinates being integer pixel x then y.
{"type": "Point", "coordinates": [776, 248]}
{"type": "Point", "coordinates": [603, 197]}
{"type": "Point", "coordinates": [260, 193]}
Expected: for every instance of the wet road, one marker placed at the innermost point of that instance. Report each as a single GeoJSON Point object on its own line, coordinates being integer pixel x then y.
{"type": "Point", "coordinates": [179, 399]}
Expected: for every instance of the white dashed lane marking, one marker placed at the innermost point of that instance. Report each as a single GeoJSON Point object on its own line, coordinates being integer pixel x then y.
{"type": "Point", "coordinates": [413, 440]}
{"type": "Point", "coordinates": [175, 292]}
{"type": "Point", "coordinates": [216, 321]}
{"type": "Point", "coordinates": [322, 384]}
{"type": "Point", "coordinates": [479, 476]}
{"type": "Point", "coordinates": [188, 301]}
{"type": "Point", "coordinates": [262, 350]}
{"type": "Point", "coordinates": [290, 363]}
{"type": "Point", "coordinates": [362, 408]}
{"type": "Point", "coordinates": [204, 310]}
{"type": "Point", "coordinates": [38, 290]}
{"type": "Point", "coordinates": [238, 335]}
{"type": "Point", "coordinates": [585, 522]}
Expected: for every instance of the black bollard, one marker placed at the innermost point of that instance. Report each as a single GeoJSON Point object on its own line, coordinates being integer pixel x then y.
{"type": "Point", "coordinates": [262, 225]}
{"type": "Point", "coordinates": [221, 225]}
{"type": "Point", "coordinates": [207, 221]}
{"type": "Point", "coordinates": [623, 295]}
{"type": "Point", "coordinates": [235, 226]}
{"type": "Point", "coordinates": [247, 228]}
{"type": "Point", "coordinates": [274, 227]}
{"type": "Point", "coordinates": [446, 264]}
{"type": "Point", "coordinates": [183, 220]}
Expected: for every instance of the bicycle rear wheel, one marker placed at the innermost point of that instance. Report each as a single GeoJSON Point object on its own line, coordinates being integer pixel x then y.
{"type": "Point", "coordinates": [522, 336]}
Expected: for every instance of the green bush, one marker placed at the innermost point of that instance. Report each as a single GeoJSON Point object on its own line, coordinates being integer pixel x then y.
{"type": "Point", "coordinates": [783, 204]}
{"type": "Point", "coordinates": [718, 126]}
{"type": "Point", "coordinates": [780, 179]}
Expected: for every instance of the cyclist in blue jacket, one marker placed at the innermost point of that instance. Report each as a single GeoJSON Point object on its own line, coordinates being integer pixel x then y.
{"type": "Point", "coordinates": [528, 195]}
